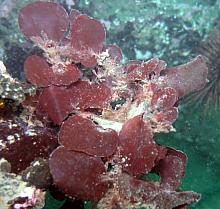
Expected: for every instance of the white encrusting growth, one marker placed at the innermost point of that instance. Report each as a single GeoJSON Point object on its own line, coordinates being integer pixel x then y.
{"type": "Point", "coordinates": [105, 123]}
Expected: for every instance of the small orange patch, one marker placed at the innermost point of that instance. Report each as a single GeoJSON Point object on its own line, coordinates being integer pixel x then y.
{"type": "Point", "coordinates": [2, 103]}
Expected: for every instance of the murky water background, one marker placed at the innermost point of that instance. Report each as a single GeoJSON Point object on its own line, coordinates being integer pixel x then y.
{"type": "Point", "coordinates": [175, 31]}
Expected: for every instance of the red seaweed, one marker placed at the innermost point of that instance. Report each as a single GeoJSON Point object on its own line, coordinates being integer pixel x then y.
{"type": "Point", "coordinates": [105, 113]}
{"type": "Point", "coordinates": [189, 77]}
{"type": "Point", "coordinates": [43, 18]}
{"type": "Point", "coordinates": [87, 39]}
{"type": "Point", "coordinates": [138, 150]}
{"type": "Point", "coordinates": [62, 75]}
{"type": "Point", "coordinates": [86, 95]}
{"type": "Point", "coordinates": [87, 137]}
{"type": "Point", "coordinates": [55, 101]}
{"type": "Point", "coordinates": [114, 52]}
{"type": "Point", "coordinates": [82, 171]}
{"type": "Point", "coordinates": [34, 68]}
{"type": "Point", "coordinates": [21, 144]}
{"type": "Point", "coordinates": [171, 169]}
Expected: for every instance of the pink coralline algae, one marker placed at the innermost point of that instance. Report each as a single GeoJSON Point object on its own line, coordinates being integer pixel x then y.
{"type": "Point", "coordinates": [106, 113]}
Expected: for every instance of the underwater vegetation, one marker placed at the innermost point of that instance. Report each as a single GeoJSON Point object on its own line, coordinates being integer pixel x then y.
{"type": "Point", "coordinates": [87, 127]}
{"type": "Point", "coordinates": [209, 96]}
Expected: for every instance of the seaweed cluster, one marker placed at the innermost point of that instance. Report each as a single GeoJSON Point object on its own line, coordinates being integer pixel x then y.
{"type": "Point", "coordinates": [92, 121]}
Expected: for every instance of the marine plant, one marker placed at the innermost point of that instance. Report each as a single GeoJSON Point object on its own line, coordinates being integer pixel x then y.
{"type": "Point", "coordinates": [104, 113]}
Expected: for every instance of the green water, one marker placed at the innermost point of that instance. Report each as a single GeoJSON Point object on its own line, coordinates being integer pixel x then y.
{"type": "Point", "coordinates": [199, 138]}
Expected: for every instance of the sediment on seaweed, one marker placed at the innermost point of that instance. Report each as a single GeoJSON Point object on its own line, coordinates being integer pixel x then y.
{"type": "Point", "coordinates": [104, 113]}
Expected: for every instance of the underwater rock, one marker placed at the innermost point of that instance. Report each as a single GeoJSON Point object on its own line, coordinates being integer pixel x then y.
{"type": "Point", "coordinates": [12, 89]}
{"type": "Point", "coordinates": [17, 194]}
{"type": "Point", "coordinates": [38, 174]}
{"type": "Point", "coordinates": [5, 166]}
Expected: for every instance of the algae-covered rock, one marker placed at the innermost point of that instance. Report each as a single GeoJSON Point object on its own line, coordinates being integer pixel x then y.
{"type": "Point", "coordinates": [11, 88]}
{"type": "Point", "coordinates": [17, 194]}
